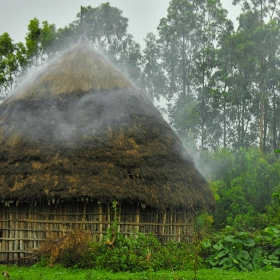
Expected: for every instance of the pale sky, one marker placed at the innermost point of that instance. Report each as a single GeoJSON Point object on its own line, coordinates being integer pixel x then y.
{"type": "Point", "coordinates": [143, 15]}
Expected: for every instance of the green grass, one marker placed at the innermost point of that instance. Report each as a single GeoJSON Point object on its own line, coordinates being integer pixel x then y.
{"type": "Point", "coordinates": [58, 273]}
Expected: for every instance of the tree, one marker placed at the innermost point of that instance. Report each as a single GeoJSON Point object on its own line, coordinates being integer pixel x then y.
{"type": "Point", "coordinates": [244, 183]}
{"type": "Point", "coordinates": [253, 20]}
{"type": "Point", "coordinates": [224, 89]}
{"type": "Point", "coordinates": [105, 27]}
{"type": "Point", "coordinates": [213, 26]}
{"type": "Point", "coordinates": [40, 41]}
{"type": "Point", "coordinates": [188, 38]}
{"type": "Point", "coordinates": [153, 74]}
{"type": "Point", "coordinates": [12, 62]}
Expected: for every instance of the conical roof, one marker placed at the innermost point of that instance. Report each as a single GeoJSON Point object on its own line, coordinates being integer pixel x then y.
{"type": "Point", "coordinates": [78, 129]}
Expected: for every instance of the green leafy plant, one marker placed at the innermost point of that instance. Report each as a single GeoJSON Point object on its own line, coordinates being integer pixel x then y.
{"type": "Point", "coordinates": [244, 251]}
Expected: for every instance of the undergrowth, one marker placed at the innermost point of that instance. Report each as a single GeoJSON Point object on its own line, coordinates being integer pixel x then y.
{"type": "Point", "coordinates": [244, 251]}
{"type": "Point", "coordinates": [227, 250]}
{"type": "Point", "coordinates": [116, 253]}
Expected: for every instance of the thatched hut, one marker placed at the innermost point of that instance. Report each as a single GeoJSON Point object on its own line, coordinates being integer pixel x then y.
{"type": "Point", "coordinates": [78, 136]}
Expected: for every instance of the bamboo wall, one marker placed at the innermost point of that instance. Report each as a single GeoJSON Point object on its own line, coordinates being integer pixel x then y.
{"type": "Point", "coordinates": [24, 227]}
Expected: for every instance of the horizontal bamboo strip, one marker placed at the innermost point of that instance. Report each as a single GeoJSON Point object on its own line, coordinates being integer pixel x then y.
{"type": "Point", "coordinates": [36, 230]}
{"type": "Point", "coordinates": [16, 251]}
{"type": "Point", "coordinates": [81, 214]}
{"type": "Point", "coordinates": [23, 239]}
{"type": "Point", "coordinates": [96, 222]}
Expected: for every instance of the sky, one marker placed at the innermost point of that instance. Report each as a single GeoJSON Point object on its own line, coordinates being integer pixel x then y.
{"type": "Point", "coordinates": [143, 15]}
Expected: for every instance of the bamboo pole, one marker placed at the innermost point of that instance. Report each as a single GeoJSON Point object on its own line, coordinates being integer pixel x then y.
{"type": "Point", "coordinates": [109, 215]}
{"type": "Point", "coordinates": [164, 222]}
{"type": "Point", "coordinates": [2, 235]}
{"type": "Point", "coordinates": [10, 242]}
{"type": "Point", "coordinates": [84, 216]}
{"type": "Point", "coordinates": [120, 218]}
{"type": "Point", "coordinates": [100, 218]}
{"type": "Point", "coordinates": [137, 218]}
{"type": "Point", "coordinates": [16, 235]}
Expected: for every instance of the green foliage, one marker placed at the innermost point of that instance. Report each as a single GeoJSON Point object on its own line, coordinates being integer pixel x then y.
{"type": "Point", "coordinates": [12, 61]}
{"type": "Point", "coordinates": [243, 184]}
{"type": "Point", "coordinates": [40, 41]}
{"type": "Point", "coordinates": [244, 251]}
{"type": "Point", "coordinates": [136, 253]}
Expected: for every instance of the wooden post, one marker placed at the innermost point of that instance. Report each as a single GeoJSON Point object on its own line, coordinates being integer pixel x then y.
{"type": "Point", "coordinates": [137, 218]}
{"type": "Point", "coordinates": [100, 221]}
{"type": "Point", "coordinates": [164, 222]}
{"type": "Point", "coordinates": [16, 234]}
{"type": "Point", "coordinates": [11, 233]}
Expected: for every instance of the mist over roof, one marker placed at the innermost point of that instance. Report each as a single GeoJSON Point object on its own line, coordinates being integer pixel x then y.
{"type": "Point", "coordinates": [80, 130]}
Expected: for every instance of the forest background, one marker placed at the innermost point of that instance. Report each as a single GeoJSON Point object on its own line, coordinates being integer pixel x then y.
{"type": "Point", "coordinates": [220, 88]}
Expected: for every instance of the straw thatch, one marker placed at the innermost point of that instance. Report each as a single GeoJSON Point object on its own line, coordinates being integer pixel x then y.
{"type": "Point", "coordinates": [79, 130]}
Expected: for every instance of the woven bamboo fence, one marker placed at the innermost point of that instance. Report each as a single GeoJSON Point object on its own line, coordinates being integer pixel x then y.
{"type": "Point", "coordinates": [24, 227]}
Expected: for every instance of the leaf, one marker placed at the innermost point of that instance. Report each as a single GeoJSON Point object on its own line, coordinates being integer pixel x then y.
{"type": "Point", "coordinates": [271, 230]}
{"type": "Point", "coordinates": [275, 261]}
{"type": "Point", "coordinates": [229, 238]}
{"type": "Point", "coordinates": [249, 242]}
{"type": "Point", "coordinates": [246, 255]}
{"type": "Point", "coordinates": [273, 257]}
{"type": "Point", "coordinates": [221, 253]}
{"type": "Point", "coordinates": [213, 261]}
{"type": "Point", "coordinates": [245, 265]}
{"type": "Point", "coordinates": [256, 252]}
{"type": "Point", "coordinates": [206, 244]}
{"type": "Point", "coordinates": [266, 261]}
{"type": "Point", "coordinates": [277, 252]}
{"type": "Point", "coordinates": [256, 262]}
{"type": "Point", "coordinates": [226, 263]}
{"type": "Point", "coordinates": [235, 254]}
{"type": "Point", "coordinates": [228, 247]}
{"type": "Point", "coordinates": [218, 246]}
{"type": "Point", "coordinates": [237, 240]}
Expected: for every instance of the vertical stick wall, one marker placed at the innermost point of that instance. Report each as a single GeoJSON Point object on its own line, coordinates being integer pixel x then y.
{"type": "Point", "coordinates": [23, 228]}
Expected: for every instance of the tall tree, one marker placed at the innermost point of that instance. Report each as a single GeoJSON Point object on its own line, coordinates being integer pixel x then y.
{"type": "Point", "coordinates": [213, 25]}
{"type": "Point", "coordinates": [188, 37]}
{"type": "Point", "coordinates": [40, 41]}
{"type": "Point", "coordinates": [105, 27]}
{"type": "Point", "coordinates": [153, 74]}
{"type": "Point", "coordinates": [224, 89]}
{"type": "Point", "coordinates": [12, 62]}
{"type": "Point", "coordinates": [253, 21]}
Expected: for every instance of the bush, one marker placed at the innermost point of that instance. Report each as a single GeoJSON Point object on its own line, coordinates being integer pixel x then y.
{"type": "Point", "coordinates": [138, 252]}
{"type": "Point", "coordinates": [141, 252]}
{"type": "Point", "coordinates": [244, 251]}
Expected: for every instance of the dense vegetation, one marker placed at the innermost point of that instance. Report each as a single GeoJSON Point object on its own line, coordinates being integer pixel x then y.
{"type": "Point", "coordinates": [221, 89]}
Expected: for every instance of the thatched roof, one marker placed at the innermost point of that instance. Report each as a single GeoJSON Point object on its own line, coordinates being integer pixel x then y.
{"type": "Point", "coordinates": [78, 129]}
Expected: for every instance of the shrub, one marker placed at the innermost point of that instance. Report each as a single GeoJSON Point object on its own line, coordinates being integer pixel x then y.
{"type": "Point", "coordinates": [245, 251]}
